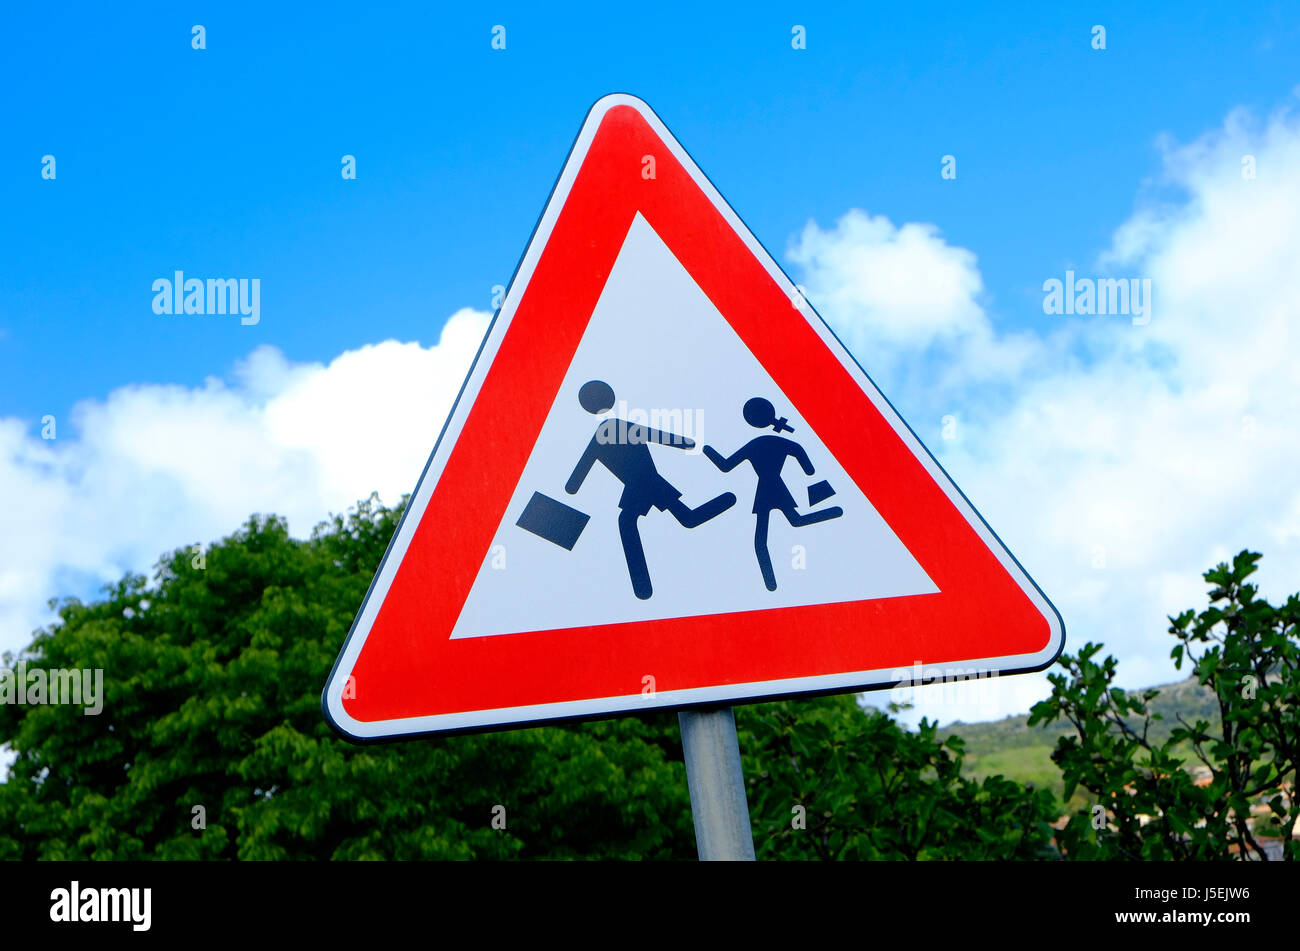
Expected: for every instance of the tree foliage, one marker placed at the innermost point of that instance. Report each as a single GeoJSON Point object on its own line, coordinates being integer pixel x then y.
{"type": "Point", "coordinates": [876, 791]}
{"type": "Point", "coordinates": [1146, 804]}
{"type": "Point", "coordinates": [213, 675]}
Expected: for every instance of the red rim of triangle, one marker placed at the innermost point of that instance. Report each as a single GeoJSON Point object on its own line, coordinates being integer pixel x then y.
{"type": "Point", "coordinates": [400, 672]}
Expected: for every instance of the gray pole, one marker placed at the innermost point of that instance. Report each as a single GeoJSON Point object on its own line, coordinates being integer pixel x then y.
{"type": "Point", "coordinates": [717, 785]}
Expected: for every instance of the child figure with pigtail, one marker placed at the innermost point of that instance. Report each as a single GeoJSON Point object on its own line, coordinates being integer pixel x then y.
{"type": "Point", "coordinates": [767, 454]}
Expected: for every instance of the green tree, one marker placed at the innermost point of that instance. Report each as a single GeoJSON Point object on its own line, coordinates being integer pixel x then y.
{"type": "Point", "coordinates": [873, 790]}
{"type": "Point", "coordinates": [1145, 803]}
{"type": "Point", "coordinates": [212, 711]}
{"type": "Point", "coordinates": [213, 679]}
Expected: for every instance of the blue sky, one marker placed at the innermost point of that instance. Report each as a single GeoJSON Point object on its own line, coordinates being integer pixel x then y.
{"type": "Point", "coordinates": [226, 161]}
{"type": "Point", "coordinates": [1116, 461]}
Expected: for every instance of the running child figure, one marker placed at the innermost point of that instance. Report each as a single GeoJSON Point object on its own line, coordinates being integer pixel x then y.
{"type": "Point", "coordinates": [767, 454]}
{"type": "Point", "coordinates": [623, 448]}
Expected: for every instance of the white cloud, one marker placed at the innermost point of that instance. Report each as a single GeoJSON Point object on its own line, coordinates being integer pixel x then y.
{"type": "Point", "coordinates": [152, 468]}
{"type": "Point", "coordinates": [1158, 450]}
{"type": "Point", "coordinates": [902, 285]}
{"type": "Point", "coordinates": [896, 294]}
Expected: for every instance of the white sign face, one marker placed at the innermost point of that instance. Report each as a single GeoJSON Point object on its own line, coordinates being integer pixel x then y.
{"type": "Point", "coordinates": [692, 378]}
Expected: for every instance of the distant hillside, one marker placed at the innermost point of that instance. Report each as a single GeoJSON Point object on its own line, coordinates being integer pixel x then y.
{"type": "Point", "coordinates": [1010, 747]}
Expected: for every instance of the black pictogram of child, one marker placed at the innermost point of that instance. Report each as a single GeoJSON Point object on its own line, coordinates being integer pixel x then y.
{"type": "Point", "coordinates": [623, 448]}
{"type": "Point", "coordinates": [767, 454]}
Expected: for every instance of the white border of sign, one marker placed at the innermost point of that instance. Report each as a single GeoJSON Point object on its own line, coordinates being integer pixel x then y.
{"type": "Point", "coordinates": [332, 697]}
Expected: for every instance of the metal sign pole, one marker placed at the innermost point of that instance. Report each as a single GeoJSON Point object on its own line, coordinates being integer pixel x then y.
{"type": "Point", "coordinates": [717, 785]}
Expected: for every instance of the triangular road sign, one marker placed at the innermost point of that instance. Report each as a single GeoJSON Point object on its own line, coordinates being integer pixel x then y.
{"type": "Point", "coordinates": [666, 483]}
